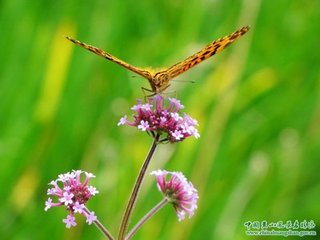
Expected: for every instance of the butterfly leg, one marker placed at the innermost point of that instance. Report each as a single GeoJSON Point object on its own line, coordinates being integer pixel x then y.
{"type": "Point", "coordinates": [147, 93]}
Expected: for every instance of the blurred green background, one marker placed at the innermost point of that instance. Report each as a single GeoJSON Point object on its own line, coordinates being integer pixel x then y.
{"type": "Point", "coordinates": [257, 103]}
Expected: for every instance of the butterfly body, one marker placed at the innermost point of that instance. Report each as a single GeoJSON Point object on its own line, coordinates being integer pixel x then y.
{"type": "Point", "coordinates": [160, 80]}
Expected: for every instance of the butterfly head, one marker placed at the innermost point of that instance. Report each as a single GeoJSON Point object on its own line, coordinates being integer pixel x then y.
{"type": "Point", "coordinates": [160, 81]}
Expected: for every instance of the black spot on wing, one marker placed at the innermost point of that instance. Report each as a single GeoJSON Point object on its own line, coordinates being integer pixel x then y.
{"type": "Point", "coordinates": [206, 52]}
{"type": "Point", "coordinates": [215, 49]}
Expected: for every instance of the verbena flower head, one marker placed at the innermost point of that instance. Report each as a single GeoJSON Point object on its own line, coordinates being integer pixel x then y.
{"type": "Point", "coordinates": [181, 193]}
{"type": "Point", "coordinates": [73, 194]}
{"type": "Point", "coordinates": [156, 118]}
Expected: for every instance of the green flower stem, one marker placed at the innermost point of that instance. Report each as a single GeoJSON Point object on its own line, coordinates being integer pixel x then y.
{"type": "Point", "coordinates": [100, 226]}
{"type": "Point", "coordinates": [146, 217]}
{"type": "Point", "coordinates": [136, 188]}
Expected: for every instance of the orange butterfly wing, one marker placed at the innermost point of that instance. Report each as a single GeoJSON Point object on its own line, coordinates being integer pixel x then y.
{"type": "Point", "coordinates": [205, 53]}
{"type": "Point", "coordinates": [108, 56]}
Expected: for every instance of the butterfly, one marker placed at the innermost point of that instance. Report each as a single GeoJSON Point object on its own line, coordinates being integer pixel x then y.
{"type": "Point", "coordinates": [160, 80]}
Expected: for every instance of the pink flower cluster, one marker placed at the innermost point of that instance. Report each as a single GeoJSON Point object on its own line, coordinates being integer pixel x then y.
{"type": "Point", "coordinates": [73, 194]}
{"type": "Point", "coordinates": [155, 118]}
{"type": "Point", "coordinates": [177, 190]}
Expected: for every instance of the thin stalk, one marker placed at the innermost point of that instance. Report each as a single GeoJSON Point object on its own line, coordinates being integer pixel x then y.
{"type": "Point", "coordinates": [146, 217]}
{"type": "Point", "coordinates": [99, 225]}
{"type": "Point", "coordinates": [136, 188]}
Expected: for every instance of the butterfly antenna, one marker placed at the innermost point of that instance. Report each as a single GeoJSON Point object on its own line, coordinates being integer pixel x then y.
{"type": "Point", "coordinates": [183, 81]}
{"type": "Point", "coordinates": [136, 76]}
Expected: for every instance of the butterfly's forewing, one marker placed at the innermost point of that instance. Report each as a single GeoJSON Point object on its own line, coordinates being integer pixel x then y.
{"type": "Point", "coordinates": [205, 53]}
{"type": "Point", "coordinates": [108, 56]}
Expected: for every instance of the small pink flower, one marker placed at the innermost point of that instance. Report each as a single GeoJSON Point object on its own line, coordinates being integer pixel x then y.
{"type": "Point", "coordinates": [157, 119]}
{"type": "Point", "coordinates": [69, 221]}
{"type": "Point", "coordinates": [123, 121]}
{"type": "Point", "coordinates": [177, 135]}
{"type": "Point", "coordinates": [73, 193]}
{"type": "Point", "coordinates": [144, 125]}
{"type": "Point", "coordinates": [91, 218]}
{"type": "Point", "coordinates": [146, 107]}
{"type": "Point", "coordinates": [181, 193]}
{"type": "Point", "coordinates": [78, 208]}
{"type": "Point", "coordinates": [66, 198]}
{"type": "Point", "coordinates": [176, 116]}
{"type": "Point", "coordinates": [175, 103]}
{"type": "Point", "coordinates": [48, 204]}
{"type": "Point", "coordinates": [92, 190]}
